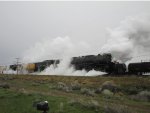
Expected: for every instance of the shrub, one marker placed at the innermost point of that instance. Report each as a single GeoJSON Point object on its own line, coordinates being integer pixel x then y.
{"type": "Point", "coordinates": [75, 86]}
{"type": "Point", "coordinates": [107, 92]}
{"type": "Point", "coordinates": [64, 87]}
{"type": "Point", "coordinates": [98, 90]}
{"type": "Point", "coordinates": [142, 96]}
{"type": "Point", "coordinates": [61, 85]}
{"type": "Point", "coordinates": [73, 102]}
{"type": "Point", "coordinates": [22, 90]}
{"type": "Point", "coordinates": [90, 104]}
{"type": "Point", "coordinates": [117, 109]}
{"type": "Point", "coordinates": [131, 90]}
{"type": "Point", "coordinates": [67, 89]}
{"type": "Point", "coordinates": [110, 85]}
{"type": "Point", "coordinates": [6, 86]}
{"type": "Point", "coordinates": [145, 94]}
{"type": "Point", "coordinates": [35, 84]}
{"type": "Point", "coordinates": [87, 92]}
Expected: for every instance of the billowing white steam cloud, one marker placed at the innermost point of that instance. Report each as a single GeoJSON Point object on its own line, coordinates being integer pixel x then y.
{"type": "Point", "coordinates": [131, 38]}
{"type": "Point", "coordinates": [9, 71]}
{"type": "Point", "coordinates": [64, 68]}
{"type": "Point", "coordinates": [59, 48]}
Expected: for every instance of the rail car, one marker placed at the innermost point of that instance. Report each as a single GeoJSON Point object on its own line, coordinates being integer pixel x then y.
{"type": "Point", "coordinates": [139, 68]}
{"type": "Point", "coordinates": [40, 66]}
{"type": "Point", "coordinates": [15, 66]}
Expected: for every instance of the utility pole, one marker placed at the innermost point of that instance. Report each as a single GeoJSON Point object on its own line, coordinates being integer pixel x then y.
{"type": "Point", "coordinates": [17, 63]}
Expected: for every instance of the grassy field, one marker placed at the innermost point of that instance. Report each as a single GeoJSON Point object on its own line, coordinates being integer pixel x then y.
{"type": "Point", "coordinates": [75, 94]}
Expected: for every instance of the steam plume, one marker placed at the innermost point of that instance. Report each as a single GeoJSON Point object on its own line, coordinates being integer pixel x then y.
{"type": "Point", "coordinates": [59, 48]}
{"type": "Point", "coordinates": [64, 68]}
{"type": "Point", "coordinates": [130, 39]}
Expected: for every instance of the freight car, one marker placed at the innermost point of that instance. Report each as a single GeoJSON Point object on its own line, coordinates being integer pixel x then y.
{"type": "Point", "coordinates": [15, 66]}
{"type": "Point", "coordinates": [139, 68]}
{"type": "Point", "coordinates": [31, 67]}
{"type": "Point", "coordinates": [37, 66]}
{"type": "Point", "coordinates": [40, 66]}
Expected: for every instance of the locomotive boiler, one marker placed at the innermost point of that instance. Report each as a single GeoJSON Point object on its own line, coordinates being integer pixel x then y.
{"type": "Point", "coordinates": [99, 63]}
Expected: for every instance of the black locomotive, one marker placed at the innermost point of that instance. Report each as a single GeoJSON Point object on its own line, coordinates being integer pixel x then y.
{"type": "Point", "coordinates": [99, 63]}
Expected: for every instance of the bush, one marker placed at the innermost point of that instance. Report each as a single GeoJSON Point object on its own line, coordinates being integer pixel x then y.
{"type": "Point", "coordinates": [117, 109]}
{"type": "Point", "coordinates": [107, 92]}
{"type": "Point", "coordinates": [67, 89]}
{"type": "Point", "coordinates": [98, 90]}
{"type": "Point", "coordinates": [73, 102]}
{"type": "Point", "coordinates": [24, 91]}
{"type": "Point", "coordinates": [142, 96]}
{"type": "Point", "coordinates": [75, 86]}
{"type": "Point", "coordinates": [5, 86]}
{"type": "Point", "coordinates": [87, 92]}
{"type": "Point", "coordinates": [35, 84]}
{"type": "Point", "coordinates": [90, 104]}
{"type": "Point", "coordinates": [131, 90]}
{"type": "Point", "coordinates": [64, 87]}
{"type": "Point", "coordinates": [110, 85]}
{"type": "Point", "coordinates": [61, 85]}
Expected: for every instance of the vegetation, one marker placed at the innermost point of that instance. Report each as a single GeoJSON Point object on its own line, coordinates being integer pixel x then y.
{"type": "Point", "coordinates": [117, 109]}
{"type": "Point", "coordinates": [72, 94]}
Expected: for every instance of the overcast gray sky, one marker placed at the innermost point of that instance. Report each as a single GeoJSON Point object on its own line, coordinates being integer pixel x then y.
{"type": "Point", "coordinates": [22, 24]}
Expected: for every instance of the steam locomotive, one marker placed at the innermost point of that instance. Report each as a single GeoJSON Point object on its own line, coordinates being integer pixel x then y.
{"type": "Point", "coordinates": [98, 62]}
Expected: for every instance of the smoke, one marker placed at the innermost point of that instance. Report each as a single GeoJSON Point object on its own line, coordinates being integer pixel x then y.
{"type": "Point", "coordinates": [131, 38]}
{"type": "Point", "coordinates": [59, 48]}
{"type": "Point", "coordinates": [9, 71]}
{"type": "Point", "coordinates": [64, 68]}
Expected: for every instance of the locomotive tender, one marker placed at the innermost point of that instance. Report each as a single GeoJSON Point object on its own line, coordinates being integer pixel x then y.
{"type": "Point", "coordinates": [98, 62]}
